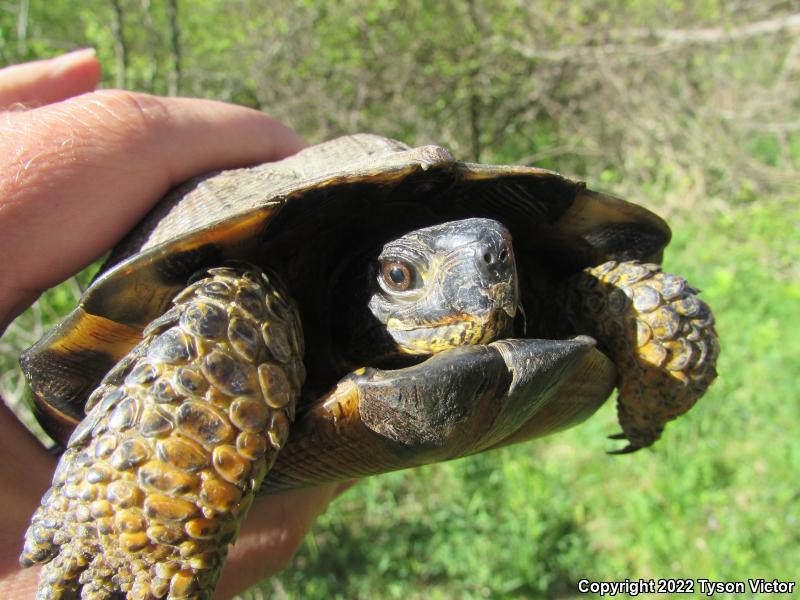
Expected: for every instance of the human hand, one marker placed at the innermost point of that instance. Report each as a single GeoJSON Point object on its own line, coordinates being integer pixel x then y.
{"type": "Point", "coordinates": [78, 168]}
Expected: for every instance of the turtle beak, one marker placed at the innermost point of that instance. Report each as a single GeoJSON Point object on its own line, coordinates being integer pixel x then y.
{"type": "Point", "coordinates": [506, 297]}
{"type": "Point", "coordinates": [499, 269]}
{"type": "Point", "coordinates": [480, 277]}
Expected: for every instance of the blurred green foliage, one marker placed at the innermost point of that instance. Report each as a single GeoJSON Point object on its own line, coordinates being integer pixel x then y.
{"type": "Point", "coordinates": [692, 108]}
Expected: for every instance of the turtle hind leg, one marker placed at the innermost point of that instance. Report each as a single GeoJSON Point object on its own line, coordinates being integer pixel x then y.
{"type": "Point", "coordinates": [158, 477]}
{"type": "Point", "coordinates": [659, 334]}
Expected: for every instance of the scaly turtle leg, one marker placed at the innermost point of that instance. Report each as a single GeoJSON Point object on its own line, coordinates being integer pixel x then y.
{"type": "Point", "coordinates": [659, 334]}
{"type": "Point", "coordinates": [177, 440]}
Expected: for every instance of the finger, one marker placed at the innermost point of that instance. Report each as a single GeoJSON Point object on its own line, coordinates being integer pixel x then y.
{"type": "Point", "coordinates": [19, 583]}
{"type": "Point", "coordinates": [270, 536]}
{"type": "Point", "coordinates": [46, 81]}
{"type": "Point", "coordinates": [30, 466]}
{"type": "Point", "coordinates": [77, 175]}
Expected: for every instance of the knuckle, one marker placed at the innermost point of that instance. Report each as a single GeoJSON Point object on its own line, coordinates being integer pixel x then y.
{"type": "Point", "coordinates": [130, 113]}
{"type": "Point", "coordinates": [42, 147]}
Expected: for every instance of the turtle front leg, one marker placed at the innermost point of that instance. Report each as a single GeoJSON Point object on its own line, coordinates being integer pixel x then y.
{"type": "Point", "coordinates": [659, 334]}
{"type": "Point", "coordinates": [157, 479]}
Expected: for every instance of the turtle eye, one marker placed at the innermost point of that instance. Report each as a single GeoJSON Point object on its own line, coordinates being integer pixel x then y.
{"type": "Point", "coordinates": [397, 275]}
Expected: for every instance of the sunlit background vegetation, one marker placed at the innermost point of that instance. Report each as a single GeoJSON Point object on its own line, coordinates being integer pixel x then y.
{"type": "Point", "coordinates": [691, 108]}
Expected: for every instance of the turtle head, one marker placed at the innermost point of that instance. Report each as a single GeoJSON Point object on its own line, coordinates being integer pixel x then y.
{"type": "Point", "coordinates": [447, 285]}
{"type": "Point", "coordinates": [436, 288]}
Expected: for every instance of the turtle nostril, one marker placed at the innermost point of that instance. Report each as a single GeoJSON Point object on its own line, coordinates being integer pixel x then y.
{"type": "Point", "coordinates": [488, 258]}
{"type": "Point", "coordinates": [503, 255]}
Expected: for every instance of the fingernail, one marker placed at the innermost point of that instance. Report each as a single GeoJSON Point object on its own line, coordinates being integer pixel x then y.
{"type": "Point", "coordinates": [76, 56]}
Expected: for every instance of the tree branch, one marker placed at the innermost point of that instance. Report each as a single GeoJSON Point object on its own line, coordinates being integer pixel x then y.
{"type": "Point", "coordinates": [664, 40]}
{"type": "Point", "coordinates": [22, 28]}
{"type": "Point", "coordinates": [174, 74]}
{"type": "Point", "coordinates": [120, 45]}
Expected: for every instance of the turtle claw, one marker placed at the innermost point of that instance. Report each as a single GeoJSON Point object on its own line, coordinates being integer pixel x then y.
{"type": "Point", "coordinates": [626, 450]}
{"type": "Point", "coordinates": [631, 447]}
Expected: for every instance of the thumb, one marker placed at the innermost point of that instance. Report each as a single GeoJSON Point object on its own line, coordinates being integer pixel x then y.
{"type": "Point", "coordinates": [47, 81]}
